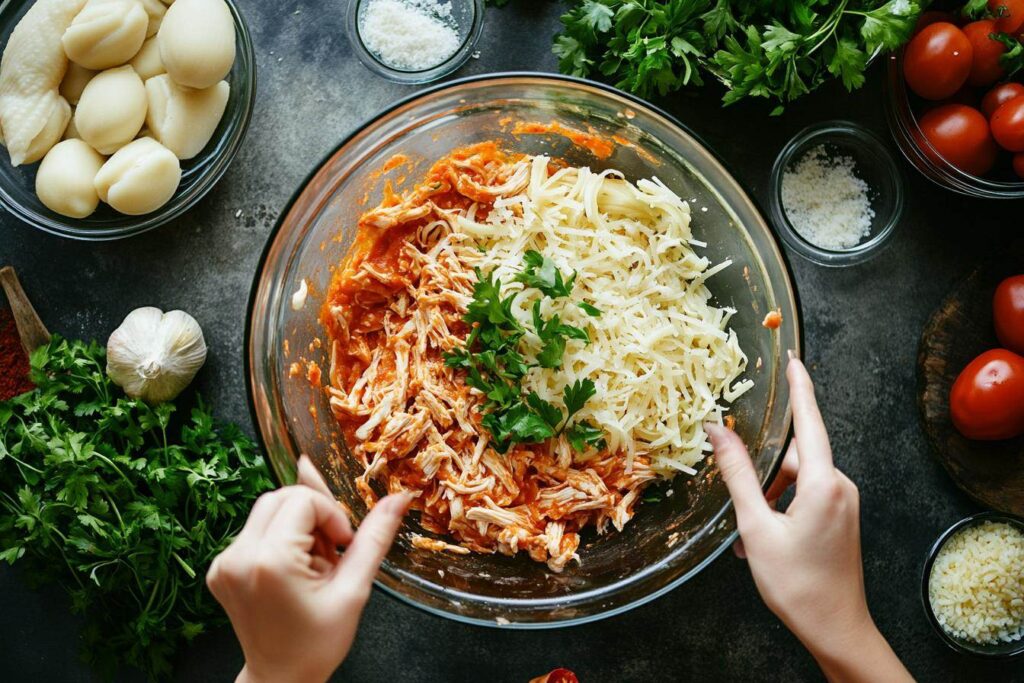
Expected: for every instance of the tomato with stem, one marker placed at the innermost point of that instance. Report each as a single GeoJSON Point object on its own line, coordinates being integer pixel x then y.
{"type": "Point", "coordinates": [1009, 14]}
{"type": "Point", "coordinates": [986, 68]}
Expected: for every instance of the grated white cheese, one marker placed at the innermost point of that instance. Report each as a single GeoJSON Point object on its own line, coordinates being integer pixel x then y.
{"type": "Point", "coordinates": [826, 201]}
{"type": "Point", "coordinates": [976, 586]}
{"type": "Point", "coordinates": [661, 355]}
{"type": "Point", "coordinates": [409, 34]}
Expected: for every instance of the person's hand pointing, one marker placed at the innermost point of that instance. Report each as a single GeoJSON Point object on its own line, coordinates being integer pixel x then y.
{"type": "Point", "coordinates": [806, 561]}
{"type": "Point", "coordinates": [293, 601]}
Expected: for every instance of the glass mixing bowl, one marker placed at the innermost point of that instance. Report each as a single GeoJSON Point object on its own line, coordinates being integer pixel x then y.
{"type": "Point", "coordinates": [667, 542]}
{"type": "Point", "coordinates": [198, 175]}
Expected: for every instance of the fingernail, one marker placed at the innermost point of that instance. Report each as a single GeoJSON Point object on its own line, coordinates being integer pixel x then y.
{"type": "Point", "coordinates": [790, 353]}
{"type": "Point", "coordinates": [712, 428]}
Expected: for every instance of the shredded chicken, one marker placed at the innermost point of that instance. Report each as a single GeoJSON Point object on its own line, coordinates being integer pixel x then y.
{"type": "Point", "coordinates": [393, 310]}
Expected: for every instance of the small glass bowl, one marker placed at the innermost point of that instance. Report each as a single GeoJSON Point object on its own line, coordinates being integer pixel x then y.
{"type": "Point", "coordinates": [198, 175]}
{"type": "Point", "coordinates": [467, 14]}
{"type": "Point", "coordinates": [923, 156]}
{"type": "Point", "coordinates": [874, 165]}
{"type": "Point", "coordinates": [998, 651]}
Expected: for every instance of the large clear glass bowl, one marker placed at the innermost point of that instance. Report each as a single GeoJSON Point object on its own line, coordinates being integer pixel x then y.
{"type": "Point", "coordinates": [198, 175]}
{"type": "Point", "coordinates": [667, 542]}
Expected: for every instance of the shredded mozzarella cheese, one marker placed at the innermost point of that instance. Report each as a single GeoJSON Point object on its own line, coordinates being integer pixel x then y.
{"type": "Point", "coordinates": [661, 355]}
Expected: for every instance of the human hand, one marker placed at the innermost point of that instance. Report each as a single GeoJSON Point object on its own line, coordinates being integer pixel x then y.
{"type": "Point", "coordinates": [293, 601]}
{"type": "Point", "coordinates": [806, 561]}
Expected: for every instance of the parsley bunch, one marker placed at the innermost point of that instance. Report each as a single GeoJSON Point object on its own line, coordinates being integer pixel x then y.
{"type": "Point", "coordinates": [494, 365]}
{"type": "Point", "coordinates": [107, 497]}
{"type": "Point", "coordinates": [776, 49]}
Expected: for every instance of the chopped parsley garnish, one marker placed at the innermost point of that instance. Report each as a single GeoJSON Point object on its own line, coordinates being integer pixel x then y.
{"type": "Point", "coordinates": [495, 367]}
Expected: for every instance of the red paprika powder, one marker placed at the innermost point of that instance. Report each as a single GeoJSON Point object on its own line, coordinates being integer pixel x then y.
{"type": "Point", "coordinates": [14, 366]}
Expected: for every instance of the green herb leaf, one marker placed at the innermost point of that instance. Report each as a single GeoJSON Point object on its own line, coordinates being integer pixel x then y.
{"type": "Point", "coordinates": [540, 272]}
{"type": "Point", "coordinates": [123, 504]}
{"type": "Point", "coordinates": [583, 434]}
{"type": "Point", "coordinates": [590, 310]}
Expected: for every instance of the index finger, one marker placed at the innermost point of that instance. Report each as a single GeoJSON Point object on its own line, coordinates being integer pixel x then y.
{"type": "Point", "coordinates": [362, 559]}
{"type": "Point", "coordinates": [738, 473]}
{"type": "Point", "coordinates": [815, 450]}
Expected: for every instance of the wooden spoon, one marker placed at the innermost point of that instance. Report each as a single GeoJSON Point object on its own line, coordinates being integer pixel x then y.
{"type": "Point", "coordinates": [31, 329]}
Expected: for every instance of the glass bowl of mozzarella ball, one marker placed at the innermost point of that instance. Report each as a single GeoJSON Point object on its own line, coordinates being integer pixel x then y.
{"type": "Point", "coordinates": [117, 116]}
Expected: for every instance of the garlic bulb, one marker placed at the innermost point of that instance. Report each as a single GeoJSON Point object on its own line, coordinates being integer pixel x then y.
{"type": "Point", "coordinates": [154, 355]}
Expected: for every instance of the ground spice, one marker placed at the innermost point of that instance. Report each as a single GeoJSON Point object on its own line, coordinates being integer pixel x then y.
{"type": "Point", "coordinates": [13, 360]}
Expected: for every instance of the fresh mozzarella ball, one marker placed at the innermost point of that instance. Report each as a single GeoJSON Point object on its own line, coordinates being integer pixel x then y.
{"type": "Point", "coordinates": [74, 82]}
{"type": "Point", "coordinates": [106, 33]}
{"type": "Point", "coordinates": [155, 10]}
{"type": "Point", "coordinates": [65, 179]}
{"type": "Point", "coordinates": [140, 178]}
{"type": "Point", "coordinates": [147, 62]}
{"type": "Point", "coordinates": [197, 42]}
{"type": "Point", "coordinates": [112, 109]}
{"type": "Point", "coordinates": [184, 119]}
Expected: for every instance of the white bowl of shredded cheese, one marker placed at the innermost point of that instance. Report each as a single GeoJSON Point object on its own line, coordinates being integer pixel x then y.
{"type": "Point", "coordinates": [414, 41]}
{"type": "Point", "coordinates": [836, 194]}
{"type": "Point", "coordinates": [973, 585]}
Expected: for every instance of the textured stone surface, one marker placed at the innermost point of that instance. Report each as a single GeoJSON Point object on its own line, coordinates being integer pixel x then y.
{"type": "Point", "coordinates": [862, 327]}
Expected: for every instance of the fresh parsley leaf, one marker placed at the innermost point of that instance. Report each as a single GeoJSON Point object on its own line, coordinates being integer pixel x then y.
{"type": "Point", "coordinates": [494, 365]}
{"type": "Point", "coordinates": [540, 272]}
{"type": "Point", "coordinates": [123, 504]}
{"type": "Point", "coordinates": [583, 434]}
{"type": "Point", "coordinates": [590, 310]}
{"type": "Point", "coordinates": [575, 395]}
{"type": "Point", "coordinates": [764, 48]}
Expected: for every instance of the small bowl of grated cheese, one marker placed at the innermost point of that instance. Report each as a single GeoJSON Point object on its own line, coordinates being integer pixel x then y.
{"type": "Point", "coordinates": [836, 194]}
{"type": "Point", "coordinates": [414, 41]}
{"type": "Point", "coordinates": [973, 585]}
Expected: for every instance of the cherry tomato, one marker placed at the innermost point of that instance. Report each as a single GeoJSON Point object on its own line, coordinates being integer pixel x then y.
{"type": "Point", "coordinates": [1008, 312]}
{"type": "Point", "coordinates": [1001, 94]}
{"type": "Point", "coordinates": [987, 399]}
{"type": "Point", "coordinates": [960, 135]}
{"type": "Point", "coordinates": [985, 66]}
{"type": "Point", "coordinates": [1008, 125]}
{"type": "Point", "coordinates": [937, 61]}
{"type": "Point", "coordinates": [1018, 164]}
{"type": "Point", "coordinates": [1009, 14]}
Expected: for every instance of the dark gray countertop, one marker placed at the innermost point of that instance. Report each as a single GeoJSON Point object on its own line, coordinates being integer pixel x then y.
{"type": "Point", "coordinates": [862, 326]}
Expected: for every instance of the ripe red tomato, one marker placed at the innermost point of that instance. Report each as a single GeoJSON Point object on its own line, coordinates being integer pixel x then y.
{"type": "Point", "coordinates": [1009, 14]}
{"type": "Point", "coordinates": [1001, 94]}
{"type": "Point", "coordinates": [985, 66]}
{"type": "Point", "coordinates": [1008, 312]}
{"type": "Point", "coordinates": [987, 399]}
{"type": "Point", "coordinates": [960, 135]}
{"type": "Point", "coordinates": [1008, 125]}
{"type": "Point", "coordinates": [937, 61]}
{"type": "Point", "coordinates": [1018, 164]}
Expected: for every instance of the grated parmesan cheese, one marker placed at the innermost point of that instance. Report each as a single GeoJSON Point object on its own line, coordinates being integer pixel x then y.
{"type": "Point", "coordinates": [826, 201]}
{"type": "Point", "coordinates": [409, 34]}
{"type": "Point", "coordinates": [661, 355]}
{"type": "Point", "coordinates": [976, 586]}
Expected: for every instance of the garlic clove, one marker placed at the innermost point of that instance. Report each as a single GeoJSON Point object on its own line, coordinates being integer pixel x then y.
{"type": "Point", "coordinates": [154, 355]}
